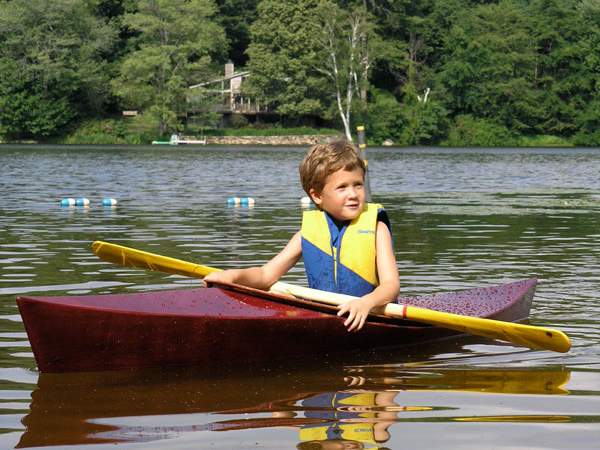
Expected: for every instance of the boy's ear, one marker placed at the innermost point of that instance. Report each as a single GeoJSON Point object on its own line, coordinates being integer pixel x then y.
{"type": "Point", "coordinates": [315, 196]}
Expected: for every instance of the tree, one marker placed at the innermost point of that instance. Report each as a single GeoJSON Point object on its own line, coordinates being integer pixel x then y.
{"type": "Point", "coordinates": [487, 69]}
{"type": "Point", "coordinates": [51, 64]}
{"type": "Point", "coordinates": [563, 34]}
{"type": "Point", "coordinates": [176, 45]}
{"type": "Point", "coordinates": [345, 40]}
{"type": "Point", "coordinates": [282, 58]}
{"type": "Point", "coordinates": [236, 17]}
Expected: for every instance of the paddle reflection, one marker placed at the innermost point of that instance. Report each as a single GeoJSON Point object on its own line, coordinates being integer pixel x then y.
{"type": "Point", "coordinates": [327, 409]}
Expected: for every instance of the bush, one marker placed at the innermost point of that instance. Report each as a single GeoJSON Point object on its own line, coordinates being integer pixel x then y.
{"type": "Point", "coordinates": [136, 130]}
{"type": "Point", "coordinates": [238, 121]}
{"type": "Point", "coordinates": [385, 120]}
{"type": "Point", "coordinates": [425, 123]}
{"type": "Point", "coordinates": [468, 131]}
{"type": "Point", "coordinates": [587, 139]}
{"type": "Point", "coordinates": [544, 140]}
{"type": "Point", "coordinates": [588, 122]}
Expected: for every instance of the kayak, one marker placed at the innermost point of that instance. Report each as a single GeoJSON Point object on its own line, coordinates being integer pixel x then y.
{"type": "Point", "coordinates": [229, 324]}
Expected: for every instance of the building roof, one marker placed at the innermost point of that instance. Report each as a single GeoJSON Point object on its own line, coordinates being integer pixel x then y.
{"type": "Point", "coordinates": [219, 80]}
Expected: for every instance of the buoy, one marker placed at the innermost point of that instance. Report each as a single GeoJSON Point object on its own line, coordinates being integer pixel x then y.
{"type": "Point", "coordinates": [241, 201]}
{"type": "Point", "coordinates": [67, 202]}
{"type": "Point", "coordinates": [305, 201]}
{"type": "Point", "coordinates": [82, 202]}
{"type": "Point", "coordinates": [107, 201]}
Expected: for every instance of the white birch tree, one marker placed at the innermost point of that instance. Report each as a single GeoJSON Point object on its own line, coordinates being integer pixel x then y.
{"type": "Point", "coordinates": [344, 38]}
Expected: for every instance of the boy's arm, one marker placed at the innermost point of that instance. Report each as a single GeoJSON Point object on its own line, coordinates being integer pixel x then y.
{"type": "Point", "coordinates": [389, 283]}
{"type": "Point", "coordinates": [265, 276]}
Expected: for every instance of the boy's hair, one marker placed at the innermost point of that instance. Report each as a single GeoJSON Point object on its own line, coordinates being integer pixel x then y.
{"type": "Point", "coordinates": [324, 159]}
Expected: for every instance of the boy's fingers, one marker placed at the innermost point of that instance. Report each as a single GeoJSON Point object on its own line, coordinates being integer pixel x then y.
{"type": "Point", "coordinates": [350, 318]}
{"type": "Point", "coordinates": [354, 323]}
{"type": "Point", "coordinates": [358, 323]}
{"type": "Point", "coordinates": [361, 324]}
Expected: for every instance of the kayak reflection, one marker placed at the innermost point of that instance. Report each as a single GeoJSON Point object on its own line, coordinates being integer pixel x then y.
{"type": "Point", "coordinates": [345, 407]}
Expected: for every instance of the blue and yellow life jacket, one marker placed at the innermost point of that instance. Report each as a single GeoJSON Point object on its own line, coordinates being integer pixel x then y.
{"type": "Point", "coordinates": [341, 260]}
{"type": "Point", "coordinates": [341, 415]}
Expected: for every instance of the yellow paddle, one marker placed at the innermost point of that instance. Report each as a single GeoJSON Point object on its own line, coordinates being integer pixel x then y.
{"type": "Point", "coordinates": [525, 335]}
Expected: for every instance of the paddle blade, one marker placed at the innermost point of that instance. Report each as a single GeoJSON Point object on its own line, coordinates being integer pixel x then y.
{"type": "Point", "coordinates": [130, 257]}
{"type": "Point", "coordinates": [525, 335]}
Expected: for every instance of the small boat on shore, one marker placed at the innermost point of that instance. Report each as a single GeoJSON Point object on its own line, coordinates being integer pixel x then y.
{"type": "Point", "coordinates": [229, 325]}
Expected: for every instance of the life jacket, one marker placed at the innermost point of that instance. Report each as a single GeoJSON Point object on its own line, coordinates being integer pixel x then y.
{"type": "Point", "coordinates": [341, 260]}
{"type": "Point", "coordinates": [348, 416]}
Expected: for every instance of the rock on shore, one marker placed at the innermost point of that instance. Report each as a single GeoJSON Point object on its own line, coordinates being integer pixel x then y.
{"type": "Point", "coordinates": [271, 140]}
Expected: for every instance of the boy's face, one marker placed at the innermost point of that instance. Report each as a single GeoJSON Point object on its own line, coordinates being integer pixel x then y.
{"type": "Point", "coordinates": [343, 195]}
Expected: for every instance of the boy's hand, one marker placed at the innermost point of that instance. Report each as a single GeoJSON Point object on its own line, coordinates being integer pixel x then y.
{"type": "Point", "coordinates": [226, 276]}
{"type": "Point", "coordinates": [358, 311]}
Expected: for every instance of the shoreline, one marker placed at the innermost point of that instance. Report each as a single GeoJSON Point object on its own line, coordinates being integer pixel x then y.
{"type": "Point", "coordinates": [283, 140]}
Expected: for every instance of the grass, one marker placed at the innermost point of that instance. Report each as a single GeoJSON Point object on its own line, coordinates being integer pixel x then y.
{"type": "Point", "coordinates": [544, 140]}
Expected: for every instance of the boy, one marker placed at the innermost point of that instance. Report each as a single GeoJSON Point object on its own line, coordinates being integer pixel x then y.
{"type": "Point", "coordinates": [346, 244]}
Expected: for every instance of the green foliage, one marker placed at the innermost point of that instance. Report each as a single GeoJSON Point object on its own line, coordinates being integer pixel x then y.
{"type": "Point", "coordinates": [524, 72]}
{"type": "Point", "coordinates": [543, 141]}
{"type": "Point", "coordinates": [135, 130]}
{"type": "Point", "coordinates": [425, 123]}
{"type": "Point", "coordinates": [489, 57]}
{"type": "Point", "coordinates": [589, 129]}
{"type": "Point", "coordinates": [176, 44]}
{"type": "Point", "coordinates": [52, 65]}
{"type": "Point", "coordinates": [237, 16]}
{"type": "Point", "coordinates": [385, 119]}
{"type": "Point", "coordinates": [468, 131]}
{"type": "Point", "coordinates": [283, 58]}
{"type": "Point", "coordinates": [238, 121]}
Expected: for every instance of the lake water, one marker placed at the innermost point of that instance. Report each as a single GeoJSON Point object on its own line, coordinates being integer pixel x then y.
{"type": "Point", "coordinates": [461, 218]}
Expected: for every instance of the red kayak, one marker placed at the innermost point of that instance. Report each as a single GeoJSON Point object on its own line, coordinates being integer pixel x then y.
{"type": "Point", "coordinates": [222, 325]}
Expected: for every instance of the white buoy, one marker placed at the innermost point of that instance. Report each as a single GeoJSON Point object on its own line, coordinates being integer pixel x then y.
{"type": "Point", "coordinates": [305, 202]}
{"type": "Point", "coordinates": [82, 202]}
{"type": "Point", "coordinates": [247, 201]}
{"type": "Point", "coordinates": [234, 201]}
{"type": "Point", "coordinates": [107, 201]}
{"type": "Point", "coordinates": [67, 202]}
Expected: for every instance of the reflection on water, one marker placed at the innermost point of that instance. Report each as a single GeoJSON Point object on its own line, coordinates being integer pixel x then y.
{"type": "Point", "coordinates": [350, 404]}
{"type": "Point", "coordinates": [461, 218]}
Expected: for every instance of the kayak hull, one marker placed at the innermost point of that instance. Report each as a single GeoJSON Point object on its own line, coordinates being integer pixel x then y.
{"type": "Point", "coordinates": [217, 326]}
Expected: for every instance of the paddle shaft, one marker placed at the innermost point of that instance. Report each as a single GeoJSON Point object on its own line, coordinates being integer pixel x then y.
{"type": "Point", "coordinates": [525, 335]}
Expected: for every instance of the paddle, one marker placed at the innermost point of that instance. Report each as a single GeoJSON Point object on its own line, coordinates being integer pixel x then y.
{"type": "Point", "coordinates": [525, 335]}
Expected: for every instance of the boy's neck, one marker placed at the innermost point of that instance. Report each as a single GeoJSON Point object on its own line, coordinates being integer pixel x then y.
{"type": "Point", "coordinates": [338, 223]}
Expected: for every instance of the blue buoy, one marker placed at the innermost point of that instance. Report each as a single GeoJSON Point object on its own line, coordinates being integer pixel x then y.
{"type": "Point", "coordinates": [240, 201]}
{"type": "Point", "coordinates": [233, 201]}
{"type": "Point", "coordinates": [107, 201]}
{"type": "Point", "coordinates": [67, 202]}
{"type": "Point", "coordinates": [82, 202]}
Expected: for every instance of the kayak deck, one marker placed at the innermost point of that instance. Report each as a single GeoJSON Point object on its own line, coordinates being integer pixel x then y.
{"type": "Point", "coordinates": [222, 325]}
